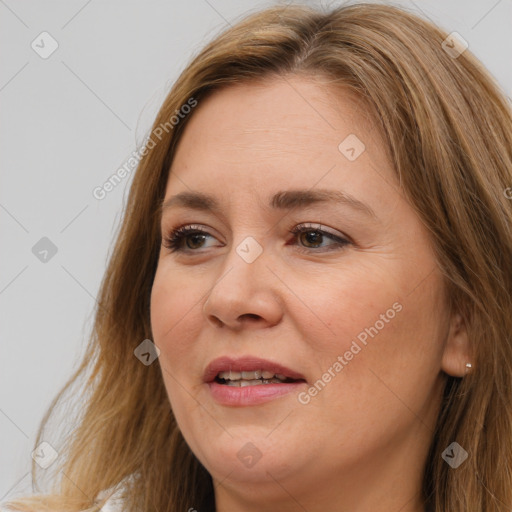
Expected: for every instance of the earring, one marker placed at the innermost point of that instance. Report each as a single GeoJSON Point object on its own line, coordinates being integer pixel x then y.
{"type": "Point", "coordinates": [468, 367]}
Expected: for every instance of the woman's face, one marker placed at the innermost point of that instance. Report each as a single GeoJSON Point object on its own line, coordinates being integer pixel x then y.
{"type": "Point", "coordinates": [352, 308]}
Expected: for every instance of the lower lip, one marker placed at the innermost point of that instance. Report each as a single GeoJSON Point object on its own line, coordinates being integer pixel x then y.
{"type": "Point", "coordinates": [251, 395]}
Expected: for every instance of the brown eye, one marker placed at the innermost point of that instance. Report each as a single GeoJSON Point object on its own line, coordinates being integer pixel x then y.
{"type": "Point", "coordinates": [193, 241]}
{"type": "Point", "coordinates": [185, 238]}
{"type": "Point", "coordinates": [311, 237]}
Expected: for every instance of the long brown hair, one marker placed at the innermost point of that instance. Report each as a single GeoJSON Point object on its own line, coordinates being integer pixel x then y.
{"type": "Point", "coordinates": [448, 128]}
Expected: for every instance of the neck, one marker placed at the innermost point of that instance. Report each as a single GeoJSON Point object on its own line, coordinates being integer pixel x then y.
{"type": "Point", "coordinates": [388, 482]}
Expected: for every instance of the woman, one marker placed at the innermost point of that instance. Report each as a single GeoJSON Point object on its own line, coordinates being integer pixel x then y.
{"type": "Point", "coordinates": [309, 302]}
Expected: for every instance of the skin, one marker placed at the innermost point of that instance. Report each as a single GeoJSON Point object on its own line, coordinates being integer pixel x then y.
{"type": "Point", "coordinates": [361, 443]}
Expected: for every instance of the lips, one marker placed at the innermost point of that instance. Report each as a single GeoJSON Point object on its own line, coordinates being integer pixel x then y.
{"type": "Point", "coordinates": [248, 364]}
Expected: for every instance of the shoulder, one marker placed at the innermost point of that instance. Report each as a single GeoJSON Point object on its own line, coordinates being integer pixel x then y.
{"type": "Point", "coordinates": [114, 503]}
{"type": "Point", "coordinates": [112, 506]}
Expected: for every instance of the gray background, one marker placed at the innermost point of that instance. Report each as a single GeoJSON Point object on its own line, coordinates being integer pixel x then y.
{"type": "Point", "coordinates": [68, 123]}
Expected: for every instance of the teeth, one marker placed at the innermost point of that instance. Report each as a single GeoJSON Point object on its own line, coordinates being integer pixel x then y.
{"type": "Point", "coordinates": [244, 383]}
{"type": "Point", "coordinates": [256, 382]}
{"type": "Point", "coordinates": [230, 375]}
{"type": "Point", "coordinates": [250, 376]}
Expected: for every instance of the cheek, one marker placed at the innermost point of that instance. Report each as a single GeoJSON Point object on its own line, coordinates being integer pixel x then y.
{"type": "Point", "coordinates": [175, 309]}
{"type": "Point", "coordinates": [391, 364]}
{"type": "Point", "coordinates": [174, 313]}
{"type": "Point", "coordinates": [380, 319]}
{"type": "Point", "coordinates": [341, 304]}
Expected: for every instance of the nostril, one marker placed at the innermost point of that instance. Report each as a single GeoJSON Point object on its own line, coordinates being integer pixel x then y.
{"type": "Point", "coordinates": [248, 317]}
{"type": "Point", "coordinates": [217, 321]}
{"type": "Point", "coordinates": [251, 315]}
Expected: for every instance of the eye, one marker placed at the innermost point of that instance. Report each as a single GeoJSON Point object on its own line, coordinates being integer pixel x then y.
{"type": "Point", "coordinates": [191, 237]}
{"type": "Point", "coordinates": [314, 235]}
{"type": "Point", "coordinates": [189, 233]}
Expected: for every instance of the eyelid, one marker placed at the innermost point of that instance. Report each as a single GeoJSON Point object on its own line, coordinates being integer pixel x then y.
{"type": "Point", "coordinates": [320, 227]}
{"type": "Point", "coordinates": [175, 237]}
{"type": "Point", "coordinates": [340, 240]}
{"type": "Point", "coordinates": [190, 227]}
{"type": "Point", "coordinates": [303, 225]}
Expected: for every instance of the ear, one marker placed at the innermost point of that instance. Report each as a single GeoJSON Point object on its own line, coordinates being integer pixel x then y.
{"type": "Point", "coordinates": [456, 352]}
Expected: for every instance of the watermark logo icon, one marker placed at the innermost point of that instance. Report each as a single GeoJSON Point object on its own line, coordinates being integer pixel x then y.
{"type": "Point", "coordinates": [249, 455]}
{"type": "Point", "coordinates": [44, 250]}
{"type": "Point", "coordinates": [44, 45]}
{"type": "Point", "coordinates": [454, 455]}
{"type": "Point", "coordinates": [351, 147]}
{"type": "Point", "coordinates": [249, 249]}
{"type": "Point", "coordinates": [454, 45]}
{"type": "Point", "coordinates": [146, 352]}
{"type": "Point", "coordinates": [45, 455]}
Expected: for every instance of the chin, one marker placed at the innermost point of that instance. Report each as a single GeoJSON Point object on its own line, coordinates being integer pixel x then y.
{"type": "Point", "coordinates": [250, 458]}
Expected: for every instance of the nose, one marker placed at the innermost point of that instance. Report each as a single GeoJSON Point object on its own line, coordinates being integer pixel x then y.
{"type": "Point", "coordinates": [244, 295]}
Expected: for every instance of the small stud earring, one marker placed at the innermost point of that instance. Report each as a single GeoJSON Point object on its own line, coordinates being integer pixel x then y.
{"type": "Point", "coordinates": [468, 367]}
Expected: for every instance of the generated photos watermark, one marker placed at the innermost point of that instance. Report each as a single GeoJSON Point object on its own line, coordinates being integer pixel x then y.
{"type": "Point", "coordinates": [305, 397]}
{"type": "Point", "coordinates": [101, 191]}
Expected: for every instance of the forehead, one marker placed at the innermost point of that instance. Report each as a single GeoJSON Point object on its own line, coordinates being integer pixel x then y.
{"type": "Point", "coordinates": [282, 111]}
{"type": "Point", "coordinates": [288, 132]}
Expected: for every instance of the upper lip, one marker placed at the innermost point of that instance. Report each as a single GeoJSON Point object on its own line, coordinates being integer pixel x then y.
{"type": "Point", "coordinates": [247, 363]}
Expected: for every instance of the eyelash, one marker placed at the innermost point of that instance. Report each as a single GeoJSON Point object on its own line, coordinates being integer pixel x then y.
{"type": "Point", "coordinates": [173, 240]}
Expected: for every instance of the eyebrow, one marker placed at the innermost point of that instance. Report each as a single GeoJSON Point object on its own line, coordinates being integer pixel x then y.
{"type": "Point", "coordinates": [283, 200]}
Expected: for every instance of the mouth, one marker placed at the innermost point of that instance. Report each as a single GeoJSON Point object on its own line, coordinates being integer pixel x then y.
{"type": "Point", "coordinates": [251, 378]}
{"type": "Point", "coordinates": [250, 381]}
{"type": "Point", "coordinates": [249, 371]}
